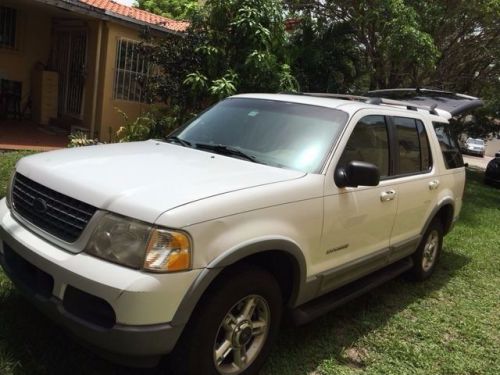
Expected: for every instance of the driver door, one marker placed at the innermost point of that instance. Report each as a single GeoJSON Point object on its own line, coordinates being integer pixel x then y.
{"type": "Point", "coordinates": [358, 221]}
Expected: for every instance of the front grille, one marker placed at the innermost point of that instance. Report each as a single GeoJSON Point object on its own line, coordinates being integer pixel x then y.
{"type": "Point", "coordinates": [55, 213]}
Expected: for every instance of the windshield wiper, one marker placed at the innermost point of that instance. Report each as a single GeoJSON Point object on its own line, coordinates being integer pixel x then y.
{"type": "Point", "coordinates": [182, 142]}
{"type": "Point", "coordinates": [226, 150]}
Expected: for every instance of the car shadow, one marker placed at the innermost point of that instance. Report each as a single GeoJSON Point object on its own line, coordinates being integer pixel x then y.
{"type": "Point", "coordinates": [304, 348]}
{"type": "Point", "coordinates": [32, 344]}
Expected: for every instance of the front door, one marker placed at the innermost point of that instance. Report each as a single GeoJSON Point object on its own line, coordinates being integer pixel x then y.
{"type": "Point", "coordinates": [358, 221]}
{"type": "Point", "coordinates": [70, 62]}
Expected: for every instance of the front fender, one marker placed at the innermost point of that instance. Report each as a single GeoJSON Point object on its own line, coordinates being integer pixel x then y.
{"type": "Point", "coordinates": [237, 254]}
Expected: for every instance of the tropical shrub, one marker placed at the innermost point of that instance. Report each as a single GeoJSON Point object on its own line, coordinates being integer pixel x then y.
{"type": "Point", "coordinates": [156, 123]}
{"type": "Point", "coordinates": [80, 139]}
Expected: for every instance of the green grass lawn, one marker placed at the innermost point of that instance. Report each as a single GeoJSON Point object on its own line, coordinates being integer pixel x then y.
{"type": "Point", "coordinates": [7, 162]}
{"type": "Point", "coordinates": [449, 324]}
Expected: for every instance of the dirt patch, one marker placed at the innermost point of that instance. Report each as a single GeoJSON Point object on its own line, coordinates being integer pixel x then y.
{"type": "Point", "coordinates": [356, 357]}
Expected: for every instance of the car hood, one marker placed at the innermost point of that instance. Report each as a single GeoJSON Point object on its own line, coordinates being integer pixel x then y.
{"type": "Point", "coordinates": [145, 179]}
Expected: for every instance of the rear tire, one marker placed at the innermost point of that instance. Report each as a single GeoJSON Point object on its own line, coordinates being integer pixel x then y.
{"type": "Point", "coordinates": [428, 252]}
{"type": "Point", "coordinates": [233, 327]}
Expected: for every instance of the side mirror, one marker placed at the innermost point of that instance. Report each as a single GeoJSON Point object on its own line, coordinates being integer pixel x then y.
{"type": "Point", "coordinates": [357, 173]}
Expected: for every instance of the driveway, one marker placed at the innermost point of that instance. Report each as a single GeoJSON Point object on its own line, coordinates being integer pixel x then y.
{"type": "Point", "coordinates": [476, 161]}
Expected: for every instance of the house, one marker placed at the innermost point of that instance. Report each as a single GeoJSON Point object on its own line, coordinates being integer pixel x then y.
{"type": "Point", "coordinates": [71, 63]}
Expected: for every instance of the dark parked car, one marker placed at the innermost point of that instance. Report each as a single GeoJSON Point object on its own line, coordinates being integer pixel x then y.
{"type": "Point", "coordinates": [492, 174]}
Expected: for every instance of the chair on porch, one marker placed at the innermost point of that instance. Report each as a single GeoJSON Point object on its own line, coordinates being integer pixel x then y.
{"type": "Point", "coordinates": [10, 98]}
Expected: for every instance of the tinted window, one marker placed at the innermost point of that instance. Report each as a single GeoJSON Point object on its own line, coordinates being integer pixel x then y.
{"type": "Point", "coordinates": [369, 142]}
{"type": "Point", "coordinates": [449, 146]}
{"type": "Point", "coordinates": [426, 156]}
{"type": "Point", "coordinates": [408, 145]}
{"type": "Point", "coordinates": [277, 133]}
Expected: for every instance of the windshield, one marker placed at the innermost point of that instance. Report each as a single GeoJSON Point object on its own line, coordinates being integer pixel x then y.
{"type": "Point", "coordinates": [281, 134]}
{"type": "Point", "coordinates": [476, 141]}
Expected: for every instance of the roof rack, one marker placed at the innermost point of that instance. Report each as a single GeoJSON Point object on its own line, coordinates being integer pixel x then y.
{"type": "Point", "coordinates": [409, 106]}
{"type": "Point", "coordinates": [336, 96]}
{"type": "Point", "coordinates": [374, 100]}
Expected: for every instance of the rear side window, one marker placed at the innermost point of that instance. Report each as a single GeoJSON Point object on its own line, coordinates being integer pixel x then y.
{"type": "Point", "coordinates": [412, 146]}
{"type": "Point", "coordinates": [369, 142]}
{"type": "Point", "coordinates": [426, 156]}
{"type": "Point", "coordinates": [449, 146]}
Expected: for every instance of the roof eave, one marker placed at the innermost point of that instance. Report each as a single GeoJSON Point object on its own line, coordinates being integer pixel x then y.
{"type": "Point", "coordinates": [105, 15]}
{"type": "Point", "coordinates": [158, 28]}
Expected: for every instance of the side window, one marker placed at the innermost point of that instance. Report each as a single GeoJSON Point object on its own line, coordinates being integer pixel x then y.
{"type": "Point", "coordinates": [426, 156]}
{"type": "Point", "coordinates": [449, 146]}
{"type": "Point", "coordinates": [369, 142]}
{"type": "Point", "coordinates": [408, 145]}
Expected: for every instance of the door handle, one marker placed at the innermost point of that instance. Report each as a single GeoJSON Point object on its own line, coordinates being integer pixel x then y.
{"type": "Point", "coordinates": [433, 185]}
{"type": "Point", "coordinates": [388, 195]}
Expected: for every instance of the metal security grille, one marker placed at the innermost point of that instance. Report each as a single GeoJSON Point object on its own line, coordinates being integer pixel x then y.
{"type": "Point", "coordinates": [8, 26]}
{"type": "Point", "coordinates": [77, 72]}
{"type": "Point", "coordinates": [70, 61]}
{"type": "Point", "coordinates": [130, 67]}
{"type": "Point", "coordinates": [53, 212]}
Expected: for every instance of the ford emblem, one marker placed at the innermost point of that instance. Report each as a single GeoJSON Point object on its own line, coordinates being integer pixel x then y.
{"type": "Point", "coordinates": [39, 205]}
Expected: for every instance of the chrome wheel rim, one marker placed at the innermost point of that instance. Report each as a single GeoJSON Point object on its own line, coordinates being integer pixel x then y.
{"type": "Point", "coordinates": [430, 250]}
{"type": "Point", "coordinates": [241, 335]}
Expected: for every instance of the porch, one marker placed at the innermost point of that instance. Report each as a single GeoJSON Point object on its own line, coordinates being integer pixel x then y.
{"type": "Point", "coordinates": [47, 73]}
{"type": "Point", "coordinates": [28, 135]}
{"type": "Point", "coordinates": [73, 64]}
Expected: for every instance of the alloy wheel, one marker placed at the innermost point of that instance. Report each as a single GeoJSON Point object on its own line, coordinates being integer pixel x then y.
{"type": "Point", "coordinates": [430, 250]}
{"type": "Point", "coordinates": [241, 335]}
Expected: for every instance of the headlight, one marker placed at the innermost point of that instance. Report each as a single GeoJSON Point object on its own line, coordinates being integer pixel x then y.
{"type": "Point", "coordinates": [8, 196]}
{"type": "Point", "coordinates": [138, 245]}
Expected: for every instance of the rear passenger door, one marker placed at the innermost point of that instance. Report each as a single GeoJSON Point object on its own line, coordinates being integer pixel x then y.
{"type": "Point", "coordinates": [415, 180]}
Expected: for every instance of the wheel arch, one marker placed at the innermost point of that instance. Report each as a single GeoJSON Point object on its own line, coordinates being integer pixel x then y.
{"type": "Point", "coordinates": [281, 257]}
{"type": "Point", "coordinates": [445, 211]}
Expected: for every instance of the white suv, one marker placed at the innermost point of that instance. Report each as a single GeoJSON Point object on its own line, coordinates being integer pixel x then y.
{"type": "Point", "coordinates": [262, 205]}
{"type": "Point", "coordinates": [474, 146]}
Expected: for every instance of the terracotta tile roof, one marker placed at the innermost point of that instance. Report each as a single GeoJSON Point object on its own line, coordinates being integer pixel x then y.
{"type": "Point", "coordinates": [138, 15]}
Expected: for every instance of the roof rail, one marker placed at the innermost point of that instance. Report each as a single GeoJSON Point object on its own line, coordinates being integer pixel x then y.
{"type": "Point", "coordinates": [448, 102]}
{"type": "Point", "coordinates": [375, 100]}
{"type": "Point", "coordinates": [410, 106]}
{"type": "Point", "coordinates": [336, 96]}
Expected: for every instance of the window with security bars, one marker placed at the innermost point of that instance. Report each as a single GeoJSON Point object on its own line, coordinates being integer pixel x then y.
{"type": "Point", "coordinates": [8, 27]}
{"type": "Point", "coordinates": [131, 66]}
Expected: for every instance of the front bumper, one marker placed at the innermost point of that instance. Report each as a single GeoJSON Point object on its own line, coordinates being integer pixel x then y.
{"type": "Point", "coordinates": [129, 345]}
{"type": "Point", "coordinates": [142, 305]}
{"type": "Point", "coordinates": [475, 152]}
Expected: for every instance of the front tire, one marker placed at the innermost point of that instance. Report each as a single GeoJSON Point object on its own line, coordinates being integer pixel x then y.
{"type": "Point", "coordinates": [233, 328]}
{"type": "Point", "coordinates": [428, 252]}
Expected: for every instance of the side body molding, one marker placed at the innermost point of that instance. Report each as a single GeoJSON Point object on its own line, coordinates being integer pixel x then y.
{"type": "Point", "coordinates": [234, 255]}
